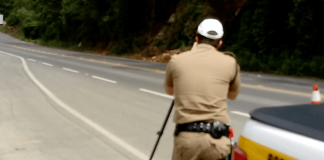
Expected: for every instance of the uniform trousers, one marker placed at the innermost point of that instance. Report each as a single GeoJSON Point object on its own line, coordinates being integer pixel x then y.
{"type": "Point", "coordinates": [200, 146]}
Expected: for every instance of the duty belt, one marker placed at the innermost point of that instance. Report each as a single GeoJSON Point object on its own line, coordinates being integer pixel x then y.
{"type": "Point", "coordinates": [216, 129]}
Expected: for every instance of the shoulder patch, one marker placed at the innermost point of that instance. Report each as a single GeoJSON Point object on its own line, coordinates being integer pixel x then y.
{"type": "Point", "coordinates": [229, 54]}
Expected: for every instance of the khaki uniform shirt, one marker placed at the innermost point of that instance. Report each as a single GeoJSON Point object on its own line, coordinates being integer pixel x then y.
{"type": "Point", "coordinates": [201, 79]}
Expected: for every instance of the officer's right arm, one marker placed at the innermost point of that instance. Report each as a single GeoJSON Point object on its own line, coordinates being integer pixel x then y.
{"type": "Point", "coordinates": [235, 85]}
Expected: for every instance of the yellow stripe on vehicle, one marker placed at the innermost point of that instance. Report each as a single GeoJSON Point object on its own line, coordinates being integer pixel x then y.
{"type": "Point", "coordinates": [255, 151]}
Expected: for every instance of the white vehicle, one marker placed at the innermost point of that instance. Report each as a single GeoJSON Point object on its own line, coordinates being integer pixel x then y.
{"type": "Point", "coordinates": [283, 133]}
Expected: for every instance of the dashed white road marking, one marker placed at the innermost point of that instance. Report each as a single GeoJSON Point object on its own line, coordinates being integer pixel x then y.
{"type": "Point", "coordinates": [241, 114]}
{"type": "Point", "coordinates": [103, 79]}
{"type": "Point", "coordinates": [71, 70]}
{"type": "Point", "coordinates": [47, 64]}
{"type": "Point", "coordinates": [278, 90]}
{"type": "Point", "coordinates": [87, 121]}
{"type": "Point", "coordinates": [171, 97]}
{"type": "Point", "coordinates": [156, 93]}
{"type": "Point", "coordinates": [32, 60]}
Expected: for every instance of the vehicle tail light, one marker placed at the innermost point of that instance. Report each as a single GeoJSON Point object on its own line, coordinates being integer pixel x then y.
{"type": "Point", "coordinates": [239, 154]}
{"type": "Point", "coordinates": [231, 134]}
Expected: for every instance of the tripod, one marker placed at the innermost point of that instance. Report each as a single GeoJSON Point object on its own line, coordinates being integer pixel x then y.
{"type": "Point", "coordinates": [162, 129]}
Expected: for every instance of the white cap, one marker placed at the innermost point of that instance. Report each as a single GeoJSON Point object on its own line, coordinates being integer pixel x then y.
{"type": "Point", "coordinates": [211, 28]}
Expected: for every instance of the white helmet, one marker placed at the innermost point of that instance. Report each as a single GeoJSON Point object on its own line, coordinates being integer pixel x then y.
{"type": "Point", "coordinates": [211, 28]}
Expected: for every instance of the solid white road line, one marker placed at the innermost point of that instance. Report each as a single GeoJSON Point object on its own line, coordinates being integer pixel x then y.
{"type": "Point", "coordinates": [87, 121]}
{"type": "Point", "coordinates": [241, 114]}
{"type": "Point", "coordinates": [156, 93]}
{"type": "Point", "coordinates": [47, 64]}
{"type": "Point", "coordinates": [32, 60]}
{"type": "Point", "coordinates": [103, 79]}
{"type": "Point", "coordinates": [70, 70]}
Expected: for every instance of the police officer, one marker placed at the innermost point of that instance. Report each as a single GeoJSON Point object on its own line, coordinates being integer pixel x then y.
{"type": "Point", "coordinates": [201, 80]}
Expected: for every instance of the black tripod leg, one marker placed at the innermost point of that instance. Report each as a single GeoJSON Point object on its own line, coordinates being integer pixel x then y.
{"type": "Point", "coordinates": [161, 131]}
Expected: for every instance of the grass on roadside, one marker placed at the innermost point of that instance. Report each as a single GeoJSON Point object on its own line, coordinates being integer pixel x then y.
{"type": "Point", "coordinates": [14, 32]}
{"type": "Point", "coordinates": [150, 54]}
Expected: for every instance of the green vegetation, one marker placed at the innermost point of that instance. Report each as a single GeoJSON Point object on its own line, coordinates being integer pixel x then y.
{"type": "Point", "coordinates": [283, 37]}
{"type": "Point", "coordinates": [279, 37]}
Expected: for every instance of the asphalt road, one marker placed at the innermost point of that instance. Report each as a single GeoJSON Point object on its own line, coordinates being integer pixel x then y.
{"type": "Point", "coordinates": [57, 104]}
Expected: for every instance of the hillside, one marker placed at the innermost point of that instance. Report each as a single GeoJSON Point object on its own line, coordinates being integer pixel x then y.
{"type": "Point", "coordinates": [266, 35]}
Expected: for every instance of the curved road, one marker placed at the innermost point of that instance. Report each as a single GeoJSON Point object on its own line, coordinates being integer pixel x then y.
{"type": "Point", "coordinates": [57, 104]}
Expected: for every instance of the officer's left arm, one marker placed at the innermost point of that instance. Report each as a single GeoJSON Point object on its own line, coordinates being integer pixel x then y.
{"type": "Point", "coordinates": [168, 85]}
{"type": "Point", "coordinates": [235, 85]}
